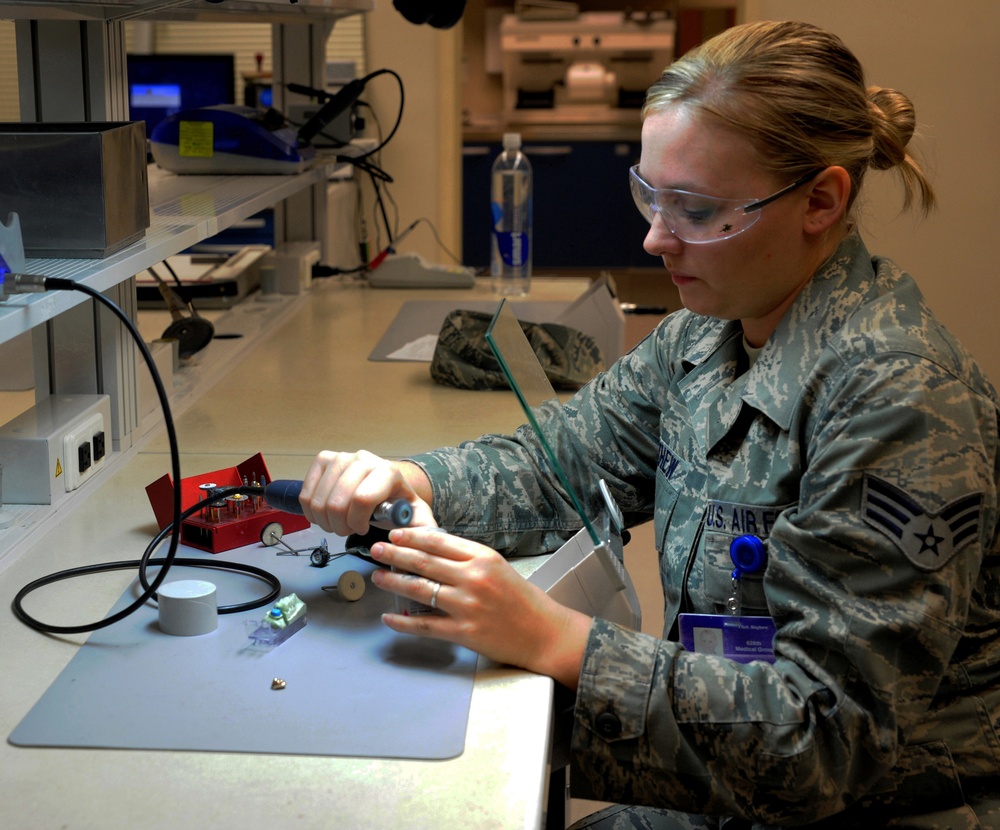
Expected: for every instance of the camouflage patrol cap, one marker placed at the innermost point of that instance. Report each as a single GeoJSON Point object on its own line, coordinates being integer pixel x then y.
{"type": "Point", "coordinates": [463, 358]}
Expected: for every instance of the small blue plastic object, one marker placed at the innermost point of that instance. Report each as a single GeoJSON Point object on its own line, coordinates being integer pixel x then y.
{"type": "Point", "coordinates": [262, 633]}
{"type": "Point", "coordinates": [11, 251]}
{"type": "Point", "coordinates": [748, 554]}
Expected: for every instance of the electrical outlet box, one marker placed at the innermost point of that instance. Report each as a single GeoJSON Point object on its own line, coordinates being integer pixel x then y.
{"type": "Point", "coordinates": [293, 262]}
{"type": "Point", "coordinates": [54, 447]}
{"type": "Point", "coordinates": [84, 449]}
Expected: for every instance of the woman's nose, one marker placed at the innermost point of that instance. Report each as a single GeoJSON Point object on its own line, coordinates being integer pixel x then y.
{"type": "Point", "coordinates": [660, 239]}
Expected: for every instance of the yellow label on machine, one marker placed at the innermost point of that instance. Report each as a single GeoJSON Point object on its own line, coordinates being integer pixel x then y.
{"type": "Point", "coordinates": [196, 139]}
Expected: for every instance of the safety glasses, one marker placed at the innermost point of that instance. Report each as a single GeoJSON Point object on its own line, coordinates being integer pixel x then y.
{"type": "Point", "coordinates": [696, 218]}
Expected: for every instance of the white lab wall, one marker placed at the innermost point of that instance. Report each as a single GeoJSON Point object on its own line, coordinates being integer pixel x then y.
{"type": "Point", "coordinates": [9, 110]}
{"type": "Point", "coordinates": [425, 156]}
{"type": "Point", "coordinates": [945, 57]}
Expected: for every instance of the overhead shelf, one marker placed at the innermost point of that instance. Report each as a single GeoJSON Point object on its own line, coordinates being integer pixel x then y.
{"type": "Point", "coordinates": [266, 11]}
{"type": "Point", "coordinates": [184, 210]}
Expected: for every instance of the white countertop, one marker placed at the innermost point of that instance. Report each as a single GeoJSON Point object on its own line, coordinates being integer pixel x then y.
{"type": "Point", "coordinates": [304, 387]}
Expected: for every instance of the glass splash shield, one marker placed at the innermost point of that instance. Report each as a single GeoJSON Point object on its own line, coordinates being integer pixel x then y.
{"type": "Point", "coordinates": [547, 418]}
{"type": "Point", "coordinates": [585, 573]}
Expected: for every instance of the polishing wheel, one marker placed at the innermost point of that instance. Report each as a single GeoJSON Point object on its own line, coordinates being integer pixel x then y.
{"type": "Point", "coordinates": [191, 333]}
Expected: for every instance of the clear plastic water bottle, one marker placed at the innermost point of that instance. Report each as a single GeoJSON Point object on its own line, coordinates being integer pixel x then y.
{"type": "Point", "coordinates": [510, 205]}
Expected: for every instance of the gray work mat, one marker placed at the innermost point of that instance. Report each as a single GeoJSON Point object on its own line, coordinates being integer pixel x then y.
{"type": "Point", "coordinates": [353, 687]}
{"type": "Point", "coordinates": [423, 318]}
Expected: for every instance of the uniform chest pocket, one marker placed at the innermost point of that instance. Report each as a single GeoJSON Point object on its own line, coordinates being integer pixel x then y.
{"type": "Point", "coordinates": [674, 507]}
{"type": "Point", "coordinates": [718, 578]}
{"type": "Point", "coordinates": [712, 574]}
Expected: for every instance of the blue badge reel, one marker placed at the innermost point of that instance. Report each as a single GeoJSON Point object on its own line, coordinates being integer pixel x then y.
{"type": "Point", "coordinates": [733, 635]}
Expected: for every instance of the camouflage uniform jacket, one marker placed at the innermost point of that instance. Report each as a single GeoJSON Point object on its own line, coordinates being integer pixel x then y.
{"type": "Point", "coordinates": [862, 446]}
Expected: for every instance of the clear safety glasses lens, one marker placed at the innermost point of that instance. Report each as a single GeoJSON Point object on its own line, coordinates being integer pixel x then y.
{"type": "Point", "coordinates": [696, 218]}
{"type": "Point", "coordinates": [691, 217]}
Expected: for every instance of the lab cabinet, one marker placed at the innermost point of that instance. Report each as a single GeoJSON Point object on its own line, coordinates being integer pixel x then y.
{"type": "Point", "coordinates": [584, 216]}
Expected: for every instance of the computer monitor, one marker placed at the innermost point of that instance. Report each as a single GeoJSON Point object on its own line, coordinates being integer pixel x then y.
{"type": "Point", "coordinates": [161, 85]}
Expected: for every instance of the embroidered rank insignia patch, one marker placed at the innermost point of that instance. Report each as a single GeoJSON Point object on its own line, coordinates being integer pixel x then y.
{"type": "Point", "coordinates": [927, 539]}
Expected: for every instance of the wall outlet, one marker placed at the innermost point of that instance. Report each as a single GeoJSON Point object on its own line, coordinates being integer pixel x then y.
{"type": "Point", "coordinates": [84, 450]}
{"type": "Point", "coordinates": [54, 447]}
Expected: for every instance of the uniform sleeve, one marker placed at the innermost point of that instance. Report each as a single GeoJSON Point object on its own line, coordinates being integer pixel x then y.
{"type": "Point", "coordinates": [871, 580]}
{"type": "Point", "coordinates": [499, 490]}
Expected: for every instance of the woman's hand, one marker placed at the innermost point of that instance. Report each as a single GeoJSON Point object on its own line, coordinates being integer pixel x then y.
{"type": "Point", "coordinates": [341, 490]}
{"type": "Point", "coordinates": [485, 604]}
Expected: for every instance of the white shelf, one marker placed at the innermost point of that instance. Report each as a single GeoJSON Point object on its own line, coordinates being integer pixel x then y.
{"type": "Point", "coordinates": [184, 210]}
{"type": "Point", "coordinates": [267, 11]}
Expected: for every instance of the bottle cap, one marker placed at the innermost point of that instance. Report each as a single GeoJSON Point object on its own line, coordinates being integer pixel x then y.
{"type": "Point", "coordinates": [512, 141]}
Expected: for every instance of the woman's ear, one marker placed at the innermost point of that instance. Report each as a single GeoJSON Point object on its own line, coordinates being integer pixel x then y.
{"type": "Point", "coordinates": [829, 194]}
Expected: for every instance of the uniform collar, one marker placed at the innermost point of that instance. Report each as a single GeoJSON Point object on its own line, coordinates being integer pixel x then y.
{"type": "Point", "coordinates": [822, 308]}
{"type": "Point", "coordinates": [714, 382]}
{"type": "Point", "coordinates": [713, 385]}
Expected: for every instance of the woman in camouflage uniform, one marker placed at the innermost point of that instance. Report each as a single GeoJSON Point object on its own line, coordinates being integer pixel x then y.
{"type": "Point", "coordinates": [805, 397]}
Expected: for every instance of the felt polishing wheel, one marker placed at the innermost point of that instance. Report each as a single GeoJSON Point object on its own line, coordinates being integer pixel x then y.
{"type": "Point", "coordinates": [351, 586]}
{"type": "Point", "coordinates": [191, 333]}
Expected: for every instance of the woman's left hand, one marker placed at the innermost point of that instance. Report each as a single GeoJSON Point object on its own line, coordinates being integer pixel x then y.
{"type": "Point", "coordinates": [485, 604]}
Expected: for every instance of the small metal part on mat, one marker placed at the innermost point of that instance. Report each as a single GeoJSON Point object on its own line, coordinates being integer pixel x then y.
{"type": "Point", "coordinates": [278, 684]}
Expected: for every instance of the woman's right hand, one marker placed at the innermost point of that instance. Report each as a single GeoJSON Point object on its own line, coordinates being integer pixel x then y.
{"type": "Point", "coordinates": [341, 490]}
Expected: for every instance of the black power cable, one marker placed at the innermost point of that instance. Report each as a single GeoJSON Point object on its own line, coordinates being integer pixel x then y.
{"type": "Point", "coordinates": [399, 115]}
{"type": "Point", "coordinates": [30, 283]}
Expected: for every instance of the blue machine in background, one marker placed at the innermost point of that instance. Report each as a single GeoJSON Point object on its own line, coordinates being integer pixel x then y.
{"type": "Point", "coordinates": [229, 138]}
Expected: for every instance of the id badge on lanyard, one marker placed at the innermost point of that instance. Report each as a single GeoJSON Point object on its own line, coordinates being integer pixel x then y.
{"type": "Point", "coordinates": [733, 635]}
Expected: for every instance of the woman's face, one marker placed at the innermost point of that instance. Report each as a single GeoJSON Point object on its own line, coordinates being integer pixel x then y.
{"type": "Point", "coordinates": [753, 276]}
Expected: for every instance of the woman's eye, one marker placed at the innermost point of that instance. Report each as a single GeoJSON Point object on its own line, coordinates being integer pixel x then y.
{"type": "Point", "coordinates": [698, 216]}
{"type": "Point", "coordinates": [692, 211]}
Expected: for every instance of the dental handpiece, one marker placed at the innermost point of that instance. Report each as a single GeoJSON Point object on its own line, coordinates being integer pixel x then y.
{"type": "Point", "coordinates": [284, 495]}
